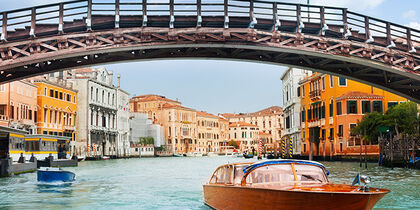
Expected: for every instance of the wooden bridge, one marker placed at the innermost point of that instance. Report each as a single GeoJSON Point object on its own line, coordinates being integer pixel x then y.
{"type": "Point", "coordinates": [333, 40]}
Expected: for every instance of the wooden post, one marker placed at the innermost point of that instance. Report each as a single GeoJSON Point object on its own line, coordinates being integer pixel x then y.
{"type": "Point", "coordinates": [324, 26]}
{"type": "Point", "coordinates": [366, 155]}
{"type": "Point", "coordinates": [253, 20]}
{"type": "Point", "coordinates": [299, 18]}
{"type": "Point", "coordinates": [369, 37]}
{"type": "Point", "coordinates": [33, 22]}
{"type": "Point", "coordinates": [199, 19]}
{"type": "Point", "coordinates": [310, 150]}
{"type": "Point", "coordinates": [60, 18]}
{"type": "Point", "coordinates": [171, 14]}
{"type": "Point", "coordinates": [4, 27]}
{"type": "Point", "coordinates": [144, 3]}
{"type": "Point", "coordinates": [276, 21]}
{"type": "Point", "coordinates": [226, 13]}
{"type": "Point", "coordinates": [411, 49]}
{"type": "Point", "coordinates": [89, 16]}
{"type": "Point", "coordinates": [346, 32]}
{"type": "Point", "coordinates": [389, 41]}
{"type": "Point", "coordinates": [117, 13]}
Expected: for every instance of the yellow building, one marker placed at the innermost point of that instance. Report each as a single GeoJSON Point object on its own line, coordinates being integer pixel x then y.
{"type": "Point", "coordinates": [57, 105]}
{"type": "Point", "coordinates": [330, 107]}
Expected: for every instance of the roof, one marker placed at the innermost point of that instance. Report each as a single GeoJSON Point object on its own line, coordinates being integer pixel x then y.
{"type": "Point", "coordinates": [263, 134]}
{"type": "Point", "coordinates": [170, 106]}
{"type": "Point", "coordinates": [152, 97]}
{"type": "Point", "coordinates": [274, 162]}
{"type": "Point", "coordinates": [205, 114]}
{"type": "Point", "coordinates": [267, 111]}
{"type": "Point", "coordinates": [241, 124]}
{"type": "Point", "coordinates": [358, 95]}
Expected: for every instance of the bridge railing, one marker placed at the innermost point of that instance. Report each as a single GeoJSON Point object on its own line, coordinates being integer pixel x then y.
{"type": "Point", "coordinates": [349, 24]}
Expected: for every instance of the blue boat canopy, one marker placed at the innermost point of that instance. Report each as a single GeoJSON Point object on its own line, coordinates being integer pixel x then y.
{"type": "Point", "coordinates": [274, 162]}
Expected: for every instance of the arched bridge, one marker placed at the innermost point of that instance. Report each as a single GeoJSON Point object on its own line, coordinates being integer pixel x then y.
{"type": "Point", "coordinates": [327, 39]}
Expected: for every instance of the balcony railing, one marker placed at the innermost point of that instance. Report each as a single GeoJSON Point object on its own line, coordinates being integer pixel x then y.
{"type": "Point", "coordinates": [315, 94]}
{"type": "Point", "coordinates": [4, 118]}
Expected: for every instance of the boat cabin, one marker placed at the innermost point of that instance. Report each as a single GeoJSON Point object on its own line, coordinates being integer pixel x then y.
{"type": "Point", "coordinates": [275, 172]}
{"type": "Point", "coordinates": [12, 143]}
{"type": "Point", "coordinates": [41, 146]}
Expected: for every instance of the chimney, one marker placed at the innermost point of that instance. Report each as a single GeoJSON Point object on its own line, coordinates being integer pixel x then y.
{"type": "Point", "coordinates": [118, 80]}
{"type": "Point", "coordinates": [111, 76]}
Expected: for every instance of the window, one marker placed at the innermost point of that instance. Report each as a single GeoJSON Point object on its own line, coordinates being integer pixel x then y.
{"type": "Point", "coordinates": [351, 107]}
{"type": "Point", "coordinates": [377, 106]}
{"type": "Point", "coordinates": [340, 130]}
{"type": "Point", "coordinates": [331, 108]}
{"type": "Point", "coordinates": [298, 91]}
{"type": "Point", "coordinates": [51, 93]}
{"type": "Point", "coordinates": [331, 133]}
{"type": "Point", "coordinates": [352, 126]}
{"type": "Point", "coordinates": [61, 95]}
{"type": "Point", "coordinates": [365, 107]}
{"type": "Point", "coordinates": [331, 81]}
{"type": "Point", "coordinates": [392, 104]}
{"type": "Point", "coordinates": [56, 94]}
{"type": "Point", "coordinates": [323, 83]}
{"type": "Point", "coordinates": [304, 147]}
{"type": "Point", "coordinates": [303, 90]}
{"type": "Point", "coordinates": [342, 81]}
{"type": "Point", "coordinates": [303, 115]}
{"type": "Point", "coordinates": [339, 111]}
{"type": "Point", "coordinates": [91, 93]}
{"type": "Point", "coordinates": [68, 97]}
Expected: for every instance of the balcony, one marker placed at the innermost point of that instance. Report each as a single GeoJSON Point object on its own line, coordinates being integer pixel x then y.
{"type": "Point", "coordinates": [331, 120]}
{"type": "Point", "coordinates": [68, 127]}
{"type": "Point", "coordinates": [4, 118]}
{"type": "Point", "coordinates": [315, 94]}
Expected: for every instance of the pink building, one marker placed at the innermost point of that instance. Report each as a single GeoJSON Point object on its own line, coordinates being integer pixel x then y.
{"type": "Point", "coordinates": [18, 105]}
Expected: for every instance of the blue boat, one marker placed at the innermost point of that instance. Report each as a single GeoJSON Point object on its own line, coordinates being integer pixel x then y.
{"type": "Point", "coordinates": [54, 175]}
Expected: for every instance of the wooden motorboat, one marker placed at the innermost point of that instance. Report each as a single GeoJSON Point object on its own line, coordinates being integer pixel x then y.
{"type": "Point", "coordinates": [284, 184]}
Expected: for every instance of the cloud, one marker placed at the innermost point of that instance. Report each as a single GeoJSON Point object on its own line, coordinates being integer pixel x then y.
{"type": "Point", "coordinates": [415, 25]}
{"type": "Point", "coordinates": [350, 4]}
{"type": "Point", "coordinates": [410, 14]}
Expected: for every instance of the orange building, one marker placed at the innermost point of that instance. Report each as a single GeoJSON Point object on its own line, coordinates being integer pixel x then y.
{"type": "Point", "coordinates": [330, 107]}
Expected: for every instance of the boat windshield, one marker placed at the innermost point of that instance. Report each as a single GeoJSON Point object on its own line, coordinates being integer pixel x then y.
{"type": "Point", "coordinates": [283, 174]}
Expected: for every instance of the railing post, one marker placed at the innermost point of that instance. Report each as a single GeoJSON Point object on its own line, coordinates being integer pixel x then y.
{"type": "Point", "coordinates": [60, 18]}
{"type": "Point", "coordinates": [410, 46]}
{"type": "Point", "coordinates": [300, 24]}
{"type": "Point", "coordinates": [251, 15]}
{"type": "Point", "coordinates": [33, 22]}
{"type": "Point", "coordinates": [369, 38]}
{"type": "Point", "coordinates": [276, 20]}
{"type": "Point", "coordinates": [172, 16]}
{"type": "Point", "coordinates": [4, 27]}
{"type": "Point", "coordinates": [389, 42]}
{"type": "Point", "coordinates": [226, 13]}
{"type": "Point", "coordinates": [323, 23]}
{"type": "Point", "coordinates": [117, 13]}
{"type": "Point", "coordinates": [144, 13]}
{"type": "Point", "coordinates": [89, 16]}
{"type": "Point", "coordinates": [199, 19]}
{"type": "Point", "coordinates": [346, 29]}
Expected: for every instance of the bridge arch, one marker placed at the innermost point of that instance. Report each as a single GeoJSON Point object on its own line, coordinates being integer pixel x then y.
{"type": "Point", "coordinates": [384, 55]}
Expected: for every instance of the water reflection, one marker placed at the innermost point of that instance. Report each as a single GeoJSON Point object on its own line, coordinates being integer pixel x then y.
{"type": "Point", "coordinates": [64, 188]}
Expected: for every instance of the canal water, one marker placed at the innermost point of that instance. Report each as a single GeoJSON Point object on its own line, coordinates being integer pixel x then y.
{"type": "Point", "coordinates": [174, 183]}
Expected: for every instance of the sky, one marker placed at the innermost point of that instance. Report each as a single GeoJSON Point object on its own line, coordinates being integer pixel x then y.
{"type": "Point", "coordinates": [219, 86]}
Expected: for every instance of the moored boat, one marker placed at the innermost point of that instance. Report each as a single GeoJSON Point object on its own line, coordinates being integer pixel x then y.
{"type": "Point", "coordinates": [248, 156]}
{"type": "Point", "coordinates": [284, 184]}
{"type": "Point", "coordinates": [47, 174]}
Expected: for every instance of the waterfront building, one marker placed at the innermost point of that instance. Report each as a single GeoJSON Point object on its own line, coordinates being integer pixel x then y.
{"type": "Point", "coordinates": [224, 134]}
{"type": "Point", "coordinates": [18, 105]}
{"type": "Point", "coordinates": [209, 137]}
{"type": "Point", "coordinates": [291, 108]}
{"type": "Point", "coordinates": [330, 107]}
{"type": "Point", "coordinates": [245, 134]}
{"type": "Point", "coordinates": [179, 123]}
{"type": "Point", "coordinates": [123, 126]}
{"type": "Point", "coordinates": [57, 104]}
{"type": "Point", "coordinates": [97, 108]}
{"type": "Point", "coordinates": [269, 120]}
{"type": "Point", "coordinates": [141, 126]}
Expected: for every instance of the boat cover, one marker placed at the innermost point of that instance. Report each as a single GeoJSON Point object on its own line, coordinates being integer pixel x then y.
{"type": "Point", "coordinates": [274, 162]}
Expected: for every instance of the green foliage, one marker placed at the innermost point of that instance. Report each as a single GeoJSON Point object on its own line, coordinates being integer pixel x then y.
{"type": "Point", "coordinates": [368, 127]}
{"type": "Point", "coordinates": [403, 118]}
{"type": "Point", "coordinates": [160, 149]}
{"type": "Point", "coordinates": [146, 140]}
{"type": "Point", "coordinates": [233, 143]}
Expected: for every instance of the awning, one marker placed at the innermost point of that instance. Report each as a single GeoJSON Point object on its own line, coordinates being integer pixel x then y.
{"type": "Point", "coordinates": [315, 103]}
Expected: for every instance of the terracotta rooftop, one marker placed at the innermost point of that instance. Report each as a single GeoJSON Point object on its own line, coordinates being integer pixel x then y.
{"type": "Point", "coordinates": [267, 111]}
{"type": "Point", "coordinates": [205, 114]}
{"type": "Point", "coordinates": [241, 124]}
{"type": "Point", "coordinates": [263, 134]}
{"type": "Point", "coordinates": [358, 95]}
{"type": "Point", "coordinates": [168, 106]}
{"type": "Point", "coordinates": [152, 97]}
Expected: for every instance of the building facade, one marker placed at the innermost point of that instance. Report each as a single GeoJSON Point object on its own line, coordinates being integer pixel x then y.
{"type": "Point", "coordinates": [330, 107]}
{"type": "Point", "coordinates": [269, 120]}
{"type": "Point", "coordinates": [123, 126]}
{"type": "Point", "coordinates": [97, 126]}
{"type": "Point", "coordinates": [141, 126]}
{"type": "Point", "coordinates": [291, 108]}
{"type": "Point", "coordinates": [209, 138]}
{"type": "Point", "coordinates": [57, 108]}
{"type": "Point", "coordinates": [245, 134]}
{"type": "Point", "coordinates": [18, 105]}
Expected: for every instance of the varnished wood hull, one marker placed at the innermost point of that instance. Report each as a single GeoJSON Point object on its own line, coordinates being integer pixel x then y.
{"type": "Point", "coordinates": [236, 197]}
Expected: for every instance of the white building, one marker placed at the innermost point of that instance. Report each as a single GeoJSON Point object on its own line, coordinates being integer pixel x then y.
{"type": "Point", "coordinates": [291, 106]}
{"type": "Point", "coordinates": [123, 126]}
{"type": "Point", "coordinates": [97, 108]}
{"type": "Point", "coordinates": [142, 126]}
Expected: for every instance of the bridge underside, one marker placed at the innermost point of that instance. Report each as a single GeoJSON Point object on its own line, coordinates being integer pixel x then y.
{"type": "Point", "coordinates": [377, 65]}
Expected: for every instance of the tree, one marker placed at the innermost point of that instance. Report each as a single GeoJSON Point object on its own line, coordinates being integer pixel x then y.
{"type": "Point", "coordinates": [368, 127]}
{"type": "Point", "coordinates": [233, 143]}
{"type": "Point", "coordinates": [146, 140]}
{"type": "Point", "coordinates": [403, 118]}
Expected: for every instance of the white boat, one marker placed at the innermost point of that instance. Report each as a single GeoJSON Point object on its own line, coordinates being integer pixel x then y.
{"type": "Point", "coordinates": [212, 154]}
{"type": "Point", "coordinates": [196, 154]}
{"type": "Point", "coordinates": [190, 154]}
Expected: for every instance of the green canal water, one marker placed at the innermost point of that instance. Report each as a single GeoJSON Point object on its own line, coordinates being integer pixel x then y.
{"type": "Point", "coordinates": [174, 183]}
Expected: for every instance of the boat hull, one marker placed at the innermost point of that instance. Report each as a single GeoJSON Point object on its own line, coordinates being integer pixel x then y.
{"type": "Point", "coordinates": [236, 197]}
{"type": "Point", "coordinates": [55, 176]}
